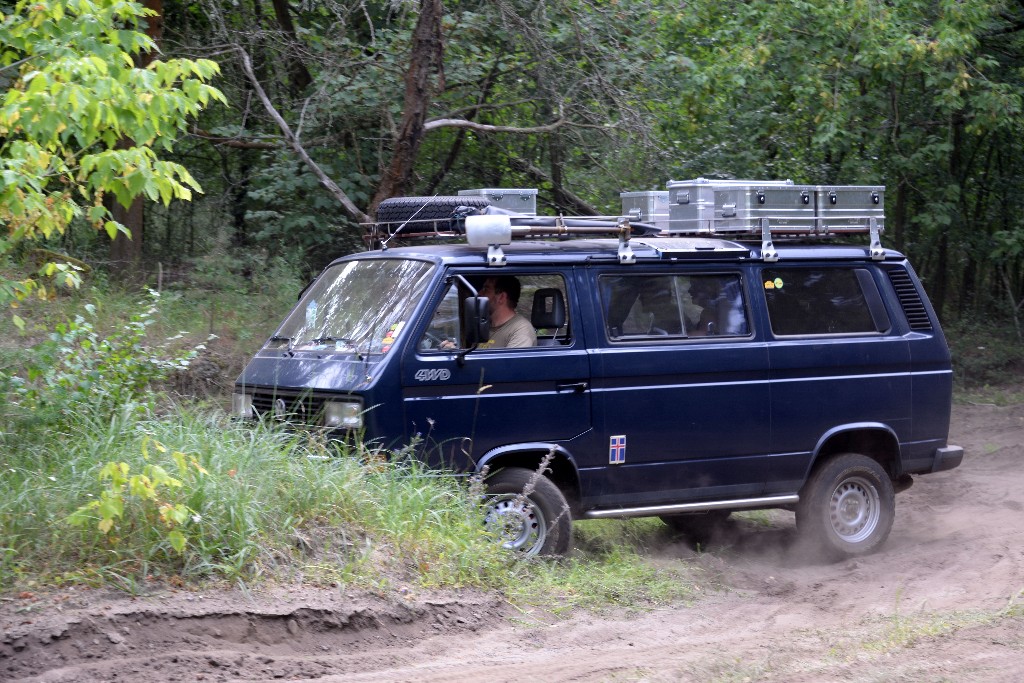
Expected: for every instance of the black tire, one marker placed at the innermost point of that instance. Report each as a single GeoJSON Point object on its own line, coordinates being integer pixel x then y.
{"type": "Point", "coordinates": [424, 214]}
{"type": "Point", "coordinates": [537, 523]}
{"type": "Point", "coordinates": [847, 507]}
{"type": "Point", "coordinates": [699, 527]}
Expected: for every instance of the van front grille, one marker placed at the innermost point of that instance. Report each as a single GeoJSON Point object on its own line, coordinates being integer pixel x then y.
{"type": "Point", "coordinates": [289, 406]}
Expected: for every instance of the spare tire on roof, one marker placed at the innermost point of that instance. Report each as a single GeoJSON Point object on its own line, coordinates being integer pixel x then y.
{"type": "Point", "coordinates": [424, 214]}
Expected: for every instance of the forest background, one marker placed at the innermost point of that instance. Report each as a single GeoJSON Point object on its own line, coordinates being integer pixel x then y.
{"type": "Point", "coordinates": [331, 106]}
{"type": "Point", "coordinates": [221, 153]}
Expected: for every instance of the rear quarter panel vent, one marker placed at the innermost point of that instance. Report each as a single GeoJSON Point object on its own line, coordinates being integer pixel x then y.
{"type": "Point", "coordinates": [910, 300]}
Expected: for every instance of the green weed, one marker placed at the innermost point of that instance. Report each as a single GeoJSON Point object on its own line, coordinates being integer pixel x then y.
{"type": "Point", "coordinates": [985, 355]}
{"type": "Point", "coordinates": [902, 631]}
{"type": "Point", "coordinates": [103, 480]}
{"type": "Point", "coordinates": [617, 578]}
{"type": "Point", "coordinates": [79, 370]}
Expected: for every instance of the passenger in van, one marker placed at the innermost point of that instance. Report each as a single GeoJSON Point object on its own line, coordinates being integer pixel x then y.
{"type": "Point", "coordinates": [721, 307]}
{"type": "Point", "coordinates": [509, 329]}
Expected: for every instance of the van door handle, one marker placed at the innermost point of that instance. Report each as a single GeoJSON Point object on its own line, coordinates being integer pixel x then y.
{"type": "Point", "coordinates": [578, 387]}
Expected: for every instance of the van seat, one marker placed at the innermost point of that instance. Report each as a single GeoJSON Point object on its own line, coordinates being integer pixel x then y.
{"type": "Point", "coordinates": [548, 314]}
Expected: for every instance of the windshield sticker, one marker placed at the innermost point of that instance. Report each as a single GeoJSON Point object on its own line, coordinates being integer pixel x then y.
{"type": "Point", "coordinates": [311, 314]}
{"type": "Point", "coordinates": [389, 338]}
{"type": "Point", "coordinates": [773, 284]}
{"type": "Point", "coordinates": [617, 450]}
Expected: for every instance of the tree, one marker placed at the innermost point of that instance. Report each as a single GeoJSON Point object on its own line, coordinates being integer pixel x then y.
{"type": "Point", "coordinates": [414, 96]}
{"type": "Point", "coordinates": [73, 95]}
{"type": "Point", "coordinates": [126, 247]}
{"type": "Point", "coordinates": [923, 97]}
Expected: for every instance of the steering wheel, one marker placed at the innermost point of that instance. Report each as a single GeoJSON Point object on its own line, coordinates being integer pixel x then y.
{"type": "Point", "coordinates": [432, 341]}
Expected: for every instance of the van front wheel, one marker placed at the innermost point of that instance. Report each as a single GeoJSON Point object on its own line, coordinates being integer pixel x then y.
{"type": "Point", "coordinates": [527, 513]}
{"type": "Point", "coordinates": [847, 507]}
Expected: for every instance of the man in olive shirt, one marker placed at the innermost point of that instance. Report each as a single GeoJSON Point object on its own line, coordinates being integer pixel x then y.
{"type": "Point", "coordinates": [509, 329]}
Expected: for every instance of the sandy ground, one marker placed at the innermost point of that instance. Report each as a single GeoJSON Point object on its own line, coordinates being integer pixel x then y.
{"type": "Point", "coordinates": [942, 601]}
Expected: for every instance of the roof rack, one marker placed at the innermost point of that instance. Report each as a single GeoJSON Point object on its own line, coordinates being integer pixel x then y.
{"type": "Point", "coordinates": [523, 225]}
{"type": "Point", "coordinates": [739, 210]}
{"type": "Point", "coordinates": [496, 229]}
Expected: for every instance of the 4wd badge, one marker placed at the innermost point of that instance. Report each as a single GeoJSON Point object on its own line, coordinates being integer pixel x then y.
{"type": "Point", "coordinates": [440, 374]}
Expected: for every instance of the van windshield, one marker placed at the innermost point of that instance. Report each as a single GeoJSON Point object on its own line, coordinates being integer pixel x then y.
{"type": "Point", "coordinates": [356, 307]}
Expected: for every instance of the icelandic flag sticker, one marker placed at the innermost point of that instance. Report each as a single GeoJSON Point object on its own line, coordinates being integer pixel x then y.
{"type": "Point", "coordinates": [617, 450]}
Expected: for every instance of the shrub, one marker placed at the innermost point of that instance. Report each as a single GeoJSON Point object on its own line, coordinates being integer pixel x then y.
{"type": "Point", "coordinates": [78, 368]}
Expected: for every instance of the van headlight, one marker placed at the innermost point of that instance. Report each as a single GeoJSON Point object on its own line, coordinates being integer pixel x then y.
{"type": "Point", "coordinates": [241, 405]}
{"type": "Point", "coordinates": [343, 414]}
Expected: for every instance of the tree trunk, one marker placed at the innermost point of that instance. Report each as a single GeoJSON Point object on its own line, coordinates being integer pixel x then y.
{"type": "Point", "coordinates": [556, 153]}
{"type": "Point", "coordinates": [898, 223]}
{"type": "Point", "coordinates": [299, 77]}
{"type": "Point", "coordinates": [425, 59]}
{"type": "Point", "coordinates": [126, 251]}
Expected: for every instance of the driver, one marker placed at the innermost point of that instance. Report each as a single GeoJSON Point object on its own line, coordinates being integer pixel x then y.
{"type": "Point", "coordinates": [509, 329]}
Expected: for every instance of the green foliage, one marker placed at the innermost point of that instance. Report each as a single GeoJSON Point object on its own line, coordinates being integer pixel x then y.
{"type": "Point", "coordinates": [198, 497]}
{"type": "Point", "coordinates": [79, 120]}
{"type": "Point", "coordinates": [985, 354]}
{"type": "Point", "coordinates": [79, 368]}
{"type": "Point", "coordinates": [151, 491]}
{"type": "Point", "coordinates": [288, 212]}
{"type": "Point", "coordinates": [922, 97]}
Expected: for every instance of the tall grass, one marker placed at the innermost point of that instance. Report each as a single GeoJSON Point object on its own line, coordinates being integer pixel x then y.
{"type": "Point", "coordinates": [105, 480]}
{"type": "Point", "coordinates": [259, 502]}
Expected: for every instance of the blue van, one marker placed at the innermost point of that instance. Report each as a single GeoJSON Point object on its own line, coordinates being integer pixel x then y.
{"type": "Point", "coordinates": [676, 377]}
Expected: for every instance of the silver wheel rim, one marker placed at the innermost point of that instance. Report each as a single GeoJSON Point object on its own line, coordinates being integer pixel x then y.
{"type": "Point", "coordinates": [854, 509]}
{"type": "Point", "coordinates": [516, 522]}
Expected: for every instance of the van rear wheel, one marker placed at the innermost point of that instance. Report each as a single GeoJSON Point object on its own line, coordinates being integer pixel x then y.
{"type": "Point", "coordinates": [847, 507]}
{"type": "Point", "coordinates": [527, 513]}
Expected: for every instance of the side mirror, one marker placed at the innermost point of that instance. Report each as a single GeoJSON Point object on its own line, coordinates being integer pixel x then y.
{"type": "Point", "coordinates": [476, 321]}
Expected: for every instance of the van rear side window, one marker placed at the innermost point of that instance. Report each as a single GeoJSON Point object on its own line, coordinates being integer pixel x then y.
{"type": "Point", "coordinates": [811, 301]}
{"type": "Point", "coordinates": [647, 307]}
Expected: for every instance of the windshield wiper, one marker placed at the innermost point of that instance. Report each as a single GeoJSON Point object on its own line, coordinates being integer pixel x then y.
{"type": "Point", "coordinates": [279, 340]}
{"type": "Point", "coordinates": [333, 340]}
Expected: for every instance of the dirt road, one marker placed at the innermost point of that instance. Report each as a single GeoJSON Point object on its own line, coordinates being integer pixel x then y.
{"type": "Point", "coordinates": [941, 601]}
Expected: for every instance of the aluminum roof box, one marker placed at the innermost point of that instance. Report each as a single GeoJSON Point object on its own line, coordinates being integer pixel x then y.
{"type": "Point", "coordinates": [646, 207]}
{"type": "Point", "coordinates": [520, 200]}
{"type": "Point", "coordinates": [703, 206]}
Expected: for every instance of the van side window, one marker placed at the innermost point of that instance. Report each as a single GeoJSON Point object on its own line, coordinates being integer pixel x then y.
{"type": "Point", "coordinates": [652, 306]}
{"type": "Point", "coordinates": [804, 301]}
{"type": "Point", "coordinates": [542, 302]}
{"type": "Point", "coordinates": [445, 328]}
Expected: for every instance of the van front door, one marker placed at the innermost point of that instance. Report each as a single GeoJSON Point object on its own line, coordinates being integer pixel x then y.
{"type": "Point", "coordinates": [536, 392]}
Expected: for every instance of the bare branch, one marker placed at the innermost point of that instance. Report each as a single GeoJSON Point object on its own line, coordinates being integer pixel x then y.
{"type": "Point", "coordinates": [15, 65]}
{"type": "Point", "coordinates": [580, 206]}
{"type": "Point", "coordinates": [486, 128]}
{"type": "Point", "coordinates": [294, 143]}
{"type": "Point", "coordinates": [237, 143]}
